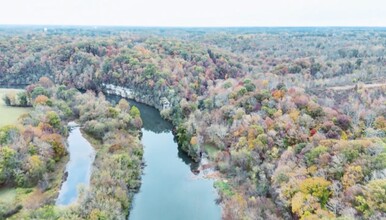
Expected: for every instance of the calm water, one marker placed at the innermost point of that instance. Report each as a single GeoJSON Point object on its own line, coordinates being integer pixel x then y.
{"type": "Point", "coordinates": [169, 190]}
{"type": "Point", "coordinates": [82, 155]}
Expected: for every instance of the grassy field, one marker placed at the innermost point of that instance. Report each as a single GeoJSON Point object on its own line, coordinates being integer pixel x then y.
{"type": "Point", "coordinates": [7, 195]}
{"type": "Point", "coordinates": [10, 198]}
{"type": "Point", "coordinates": [9, 115]}
{"type": "Point", "coordinates": [31, 198]}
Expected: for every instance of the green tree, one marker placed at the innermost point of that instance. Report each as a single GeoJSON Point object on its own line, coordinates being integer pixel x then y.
{"type": "Point", "coordinates": [53, 119]}
{"type": "Point", "coordinates": [23, 99]}
{"type": "Point", "coordinates": [8, 161]}
{"type": "Point", "coordinates": [134, 112]}
{"type": "Point", "coordinates": [39, 91]}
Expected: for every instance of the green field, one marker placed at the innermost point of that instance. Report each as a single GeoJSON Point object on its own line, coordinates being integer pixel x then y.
{"type": "Point", "coordinates": [9, 115]}
{"type": "Point", "coordinates": [7, 195]}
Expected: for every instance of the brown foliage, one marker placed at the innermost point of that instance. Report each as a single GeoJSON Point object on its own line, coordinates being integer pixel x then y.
{"type": "Point", "coordinates": [41, 99]}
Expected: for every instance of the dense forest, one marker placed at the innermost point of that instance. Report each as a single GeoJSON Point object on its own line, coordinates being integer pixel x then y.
{"type": "Point", "coordinates": [293, 119]}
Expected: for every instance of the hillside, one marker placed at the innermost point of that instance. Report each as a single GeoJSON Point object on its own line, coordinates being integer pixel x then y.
{"type": "Point", "coordinates": [282, 114]}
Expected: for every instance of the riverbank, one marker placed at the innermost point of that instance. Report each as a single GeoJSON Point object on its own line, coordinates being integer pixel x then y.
{"type": "Point", "coordinates": [105, 155]}
{"type": "Point", "coordinates": [116, 171]}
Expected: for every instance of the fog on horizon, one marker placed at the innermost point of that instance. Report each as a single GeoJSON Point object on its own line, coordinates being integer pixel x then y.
{"type": "Point", "coordinates": [200, 13]}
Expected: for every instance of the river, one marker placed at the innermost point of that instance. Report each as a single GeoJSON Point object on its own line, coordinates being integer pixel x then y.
{"type": "Point", "coordinates": [82, 156]}
{"type": "Point", "coordinates": [169, 189]}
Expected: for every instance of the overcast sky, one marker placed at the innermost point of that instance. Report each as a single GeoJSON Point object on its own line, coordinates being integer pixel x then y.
{"type": "Point", "coordinates": [195, 12]}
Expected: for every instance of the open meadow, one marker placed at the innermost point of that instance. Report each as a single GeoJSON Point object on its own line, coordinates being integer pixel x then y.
{"type": "Point", "coordinates": [9, 115]}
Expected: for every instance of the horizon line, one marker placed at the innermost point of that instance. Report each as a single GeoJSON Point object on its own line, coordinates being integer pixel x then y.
{"type": "Point", "coordinates": [180, 26]}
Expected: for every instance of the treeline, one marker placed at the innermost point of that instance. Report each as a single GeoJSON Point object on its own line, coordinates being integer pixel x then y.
{"type": "Point", "coordinates": [319, 54]}
{"type": "Point", "coordinates": [19, 99]}
{"type": "Point", "coordinates": [32, 152]}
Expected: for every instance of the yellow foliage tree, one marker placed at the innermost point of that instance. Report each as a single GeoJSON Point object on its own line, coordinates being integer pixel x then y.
{"type": "Point", "coordinates": [278, 94]}
{"type": "Point", "coordinates": [251, 138]}
{"type": "Point", "coordinates": [352, 176]}
{"type": "Point", "coordinates": [294, 114]}
{"type": "Point", "coordinates": [193, 140]}
{"type": "Point", "coordinates": [304, 204]}
{"type": "Point", "coordinates": [318, 187]}
{"type": "Point", "coordinates": [312, 196]}
{"type": "Point", "coordinates": [35, 166]}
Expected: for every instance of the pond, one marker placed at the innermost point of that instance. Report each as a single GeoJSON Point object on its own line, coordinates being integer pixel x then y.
{"type": "Point", "coordinates": [78, 169]}
{"type": "Point", "coordinates": [169, 189]}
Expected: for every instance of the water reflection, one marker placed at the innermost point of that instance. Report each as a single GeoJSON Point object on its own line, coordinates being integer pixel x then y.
{"type": "Point", "coordinates": [186, 159]}
{"type": "Point", "coordinates": [169, 189]}
{"type": "Point", "coordinates": [78, 169]}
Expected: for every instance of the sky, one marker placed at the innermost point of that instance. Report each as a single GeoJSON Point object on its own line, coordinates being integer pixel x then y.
{"type": "Point", "coordinates": [195, 13]}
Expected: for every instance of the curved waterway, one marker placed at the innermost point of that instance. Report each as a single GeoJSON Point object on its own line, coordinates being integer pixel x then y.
{"type": "Point", "coordinates": [78, 169]}
{"type": "Point", "coordinates": [169, 189]}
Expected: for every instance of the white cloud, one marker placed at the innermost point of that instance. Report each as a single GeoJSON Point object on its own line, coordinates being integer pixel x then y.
{"type": "Point", "coordinates": [196, 12]}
